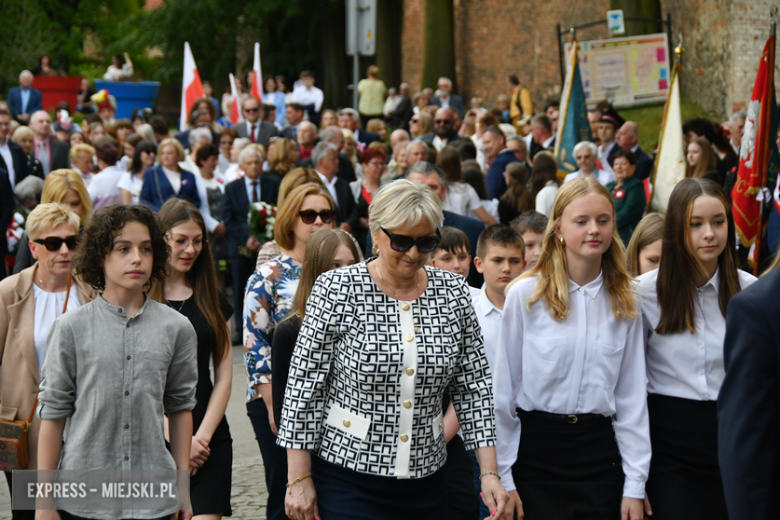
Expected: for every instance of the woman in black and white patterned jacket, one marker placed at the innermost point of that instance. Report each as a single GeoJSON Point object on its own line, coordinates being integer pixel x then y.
{"type": "Point", "coordinates": [381, 343]}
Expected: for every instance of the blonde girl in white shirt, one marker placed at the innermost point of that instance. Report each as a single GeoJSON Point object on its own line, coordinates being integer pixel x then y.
{"type": "Point", "coordinates": [684, 306]}
{"type": "Point", "coordinates": [570, 372]}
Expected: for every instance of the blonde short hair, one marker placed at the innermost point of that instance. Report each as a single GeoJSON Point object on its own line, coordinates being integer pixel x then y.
{"type": "Point", "coordinates": [285, 218]}
{"type": "Point", "coordinates": [172, 142]}
{"type": "Point", "coordinates": [21, 132]}
{"type": "Point", "coordinates": [403, 204]}
{"type": "Point", "coordinates": [81, 149]}
{"type": "Point", "coordinates": [57, 185]}
{"type": "Point", "coordinates": [49, 216]}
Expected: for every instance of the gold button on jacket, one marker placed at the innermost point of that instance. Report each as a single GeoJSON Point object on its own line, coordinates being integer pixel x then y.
{"type": "Point", "coordinates": [407, 404]}
{"type": "Point", "coordinates": [347, 423]}
{"type": "Point", "coordinates": [404, 437]}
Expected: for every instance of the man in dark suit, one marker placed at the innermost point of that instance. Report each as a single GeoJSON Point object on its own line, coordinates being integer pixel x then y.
{"type": "Point", "coordinates": [499, 156]}
{"type": "Point", "coordinates": [198, 119]}
{"type": "Point", "coordinates": [325, 158]}
{"type": "Point", "coordinates": [333, 134]}
{"type": "Point", "coordinates": [542, 135]}
{"type": "Point", "coordinates": [52, 154]}
{"type": "Point", "coordinates": [349, 118]}
{"type": "Point", "coordinates": [12, 158]}
{"type": "Point", "coordinates": [294, 115]}
{"type": "Point", "coordinates": [447, 99]}
{"type": "Point", "coordinates": [252, 187]}
{"type": "Point", "coordinates": [6, 215]}
{"type": "Point", "coordinates": [628, 139]}
{"type": "Point", "coordinates": [24, 100]}
{"type": "Point", "coordinates": [444, 132]}
{"type": "Point", "coordinates": [401, 114]}
{"type": "Point", "coordinates": [253, 127]}
{"type": "Point", "coordinates": [749, 402]}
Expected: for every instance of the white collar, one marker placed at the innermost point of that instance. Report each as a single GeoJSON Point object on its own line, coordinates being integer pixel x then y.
{"type": "Point", "coordinates": [485, 306]}
{"type": "Point", "coordinates": [592, 289]}
{"type": "Point", "coordinates": [547, 143]}
{"type": "Point", "coordinates": [326, 181]}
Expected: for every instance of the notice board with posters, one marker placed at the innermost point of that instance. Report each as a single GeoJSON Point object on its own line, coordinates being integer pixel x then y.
{"type": "Point", "coordinates": [626, 71]}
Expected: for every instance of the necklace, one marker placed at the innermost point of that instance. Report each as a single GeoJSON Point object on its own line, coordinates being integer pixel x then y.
{"type": "Point", "coordinates": [379, 271]}
{"type": "Point", "coordinates": [180, 306]}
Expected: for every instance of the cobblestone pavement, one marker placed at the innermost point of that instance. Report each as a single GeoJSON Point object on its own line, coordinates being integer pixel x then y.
{"type": "Point", "coordinates": [248, 496]}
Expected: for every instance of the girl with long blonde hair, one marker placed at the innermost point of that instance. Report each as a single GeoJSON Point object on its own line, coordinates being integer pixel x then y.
{"type": "Point", "coordinates": [570, 368]}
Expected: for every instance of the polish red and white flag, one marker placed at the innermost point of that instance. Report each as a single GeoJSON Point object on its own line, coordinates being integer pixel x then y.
{"type": "Point", "coordinates": [191, 88]}
{"type": "Point", "coordinates": [257, 76]}
{"type": "Point", "coordinates": [235, 106]}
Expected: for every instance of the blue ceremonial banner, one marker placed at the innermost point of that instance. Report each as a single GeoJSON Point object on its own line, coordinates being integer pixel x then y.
{"type": "Point", "coordinates": [573, 125]}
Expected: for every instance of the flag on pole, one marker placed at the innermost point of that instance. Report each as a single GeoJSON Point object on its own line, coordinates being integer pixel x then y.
{"type": "Point", "coordinates": [257, 76]}
{"type": "Point", "coordinates": [754, 153]}
{"type": "Point", "coordinates": [573, 124]}
{"type": "Point", "coordinates": [235, 105]}
{"type": "Point", "coordinates": [669, 168]}
{"type": "Point", "coordinates": [191, 88]}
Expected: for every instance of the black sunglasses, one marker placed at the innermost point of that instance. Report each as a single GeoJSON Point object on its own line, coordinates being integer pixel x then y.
{"type": "Point", "coordinates": [309, 216]}
{"type": "Point", "coordinates": [54, 244]}
{"type": "Point", "coordinates": [403, 243]}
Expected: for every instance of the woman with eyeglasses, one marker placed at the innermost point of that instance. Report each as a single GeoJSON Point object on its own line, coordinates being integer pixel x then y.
{"type": "Point", "coordinates": [381, 342]}
{"type": "Point", "coordinates": [421, 124]}
{"type": "Point", "coordinates": [269, 297]}
{"type": "Point", "coordinates": [30, 302]}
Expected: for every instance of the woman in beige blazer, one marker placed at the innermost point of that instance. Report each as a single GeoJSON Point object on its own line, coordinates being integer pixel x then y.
{"type": "Point", "coordinates": [30, 301]}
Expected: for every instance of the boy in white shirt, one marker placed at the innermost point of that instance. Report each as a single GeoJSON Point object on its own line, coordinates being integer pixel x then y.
{"type": "Point", "coordinates": [531, 225]}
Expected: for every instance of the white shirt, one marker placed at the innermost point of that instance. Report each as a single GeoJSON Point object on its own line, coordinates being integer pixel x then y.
{"type": "Point", "coordinates": [132, 183]}
{"type": "Point", "coordinates": [491, 206]}
{"type": "Point", "coordinates": [125, 162]}
{"type": "Point", "coordinates": [439, 143]}
{"type": "Point", "coordinates": [86, 178]}
{"type": "Point", "coordinates": [173, 177]}
{"type": "Point", "coordinates": [603, 176]}
{"type": "Point", "coordinates": [5, 152]}
{"type": "Point", "coordinates": [461, 198]}
{"type": "Point", "coordinates": [308, 96]}
{"type": "Point", "coordinates": [603, 154]}
{"type": "Point", "coordinates": [104, 187]}
{"type": "Point", "coordinates": [489, 317]}
{"type": "Point", "coordinates": [249, 188]}
{"type": "Point", "coordinates": [232, 173]}
{"type": "Point", "coordinates": [590, 362]}
{"type": "Point", "coordinates": [331, 185]}
{"type": "Point", "coordinates": [685, 365]}
{"type": "Point", "coordinates": [48, 307]}
{"type": "Point", "coordinates": [481, 154]}
{"type": "Point", "coordinates": [546, 198]}
{"type": "Point", "coordinates": [189, 165]}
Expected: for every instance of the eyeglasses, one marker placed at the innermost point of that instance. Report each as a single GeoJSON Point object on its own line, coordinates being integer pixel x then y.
{"type": "Point", "coordinates": [442, 121]}
{"type": "Point", "coordinates": [251, 110]}
{"type": "Point", "coordinates": [403, 243]}
{"type": "Point", "coordinates": [184, 243]}
{"type": "Point", "coordinates": [309, 216]}
{"type": "Point", "coordinates": [54, 244]}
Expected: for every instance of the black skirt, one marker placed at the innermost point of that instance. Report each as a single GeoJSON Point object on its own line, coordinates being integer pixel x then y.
{"type": "Point", "coordinates": [684, 480]}
{"type": "Point", "coordinates": [343, 494]}
{"type": "Point", "coordinates": [568, 471]}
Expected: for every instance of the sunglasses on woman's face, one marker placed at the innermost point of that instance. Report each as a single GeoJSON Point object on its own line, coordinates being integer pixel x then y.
{"type": "Point", "coordinates": [54, 244]}
{"type": "Point", "coordinates": [403, 243]}
{"type": "Point", "coordinates": [309, 216]}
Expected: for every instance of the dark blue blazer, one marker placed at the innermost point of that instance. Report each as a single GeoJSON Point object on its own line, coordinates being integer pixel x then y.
{"type": "Point", "coordinates": [156, 185]}
{"type": "Point", "coordinates": [456, 103]}
{"type": "Point", "coordinates": [472, 228]}
{"type": "Point", "coordinates": [235, 207]}
{"type": "Point", "coordinates": [494, 178]}
{"type": "Point", "coordinates": [21, 165]}
{"type": "Point", "coordinates": [15, 101]}
{"type": "Point", "coordinates": [749, 402]}
{"type": "Point", "coordinates": [6, 214]}
{"type": "Point", "coordinates": [644, 165]}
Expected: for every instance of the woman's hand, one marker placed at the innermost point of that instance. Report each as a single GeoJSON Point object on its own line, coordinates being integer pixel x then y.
{"type": "Point", "coordinates": [648, 507]}
{"type": "Point", "coordinates": [199, 452]}
{"type": "Point", "coordinates": [300, 501]}
{"type": "Point", "coordinates": [494, 495]}
{"type": "Point", "coordinates": [513, 506]}
{"type": "Point", "coordinates": [632, 509]}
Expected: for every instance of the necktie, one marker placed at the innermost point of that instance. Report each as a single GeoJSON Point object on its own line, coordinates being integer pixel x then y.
{"type": "Point", "coordinates": [44, 159]}
{"type": "Point", "coordinates": [254, 191]}
{"type": "Point", "coordinates": [252, 135]}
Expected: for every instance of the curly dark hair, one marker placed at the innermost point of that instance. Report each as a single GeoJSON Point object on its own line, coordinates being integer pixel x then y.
{"type": "Point", "coordinates": [98, 238]}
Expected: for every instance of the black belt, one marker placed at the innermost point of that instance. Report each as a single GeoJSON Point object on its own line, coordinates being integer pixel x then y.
{"type": "Point", "coordinates": [561, 418]}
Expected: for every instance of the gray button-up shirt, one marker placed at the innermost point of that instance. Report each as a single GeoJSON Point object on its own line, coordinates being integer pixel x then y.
{"type": "Point", "coordinates": [113, 377]}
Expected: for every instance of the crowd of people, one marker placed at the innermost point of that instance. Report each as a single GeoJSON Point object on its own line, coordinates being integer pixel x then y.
{"type": "Point", "coordinates": [440, 326]}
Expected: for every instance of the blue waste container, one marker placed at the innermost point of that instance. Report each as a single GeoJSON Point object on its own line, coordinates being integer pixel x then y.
{"type": "Point", "coordinates": [130, 95]}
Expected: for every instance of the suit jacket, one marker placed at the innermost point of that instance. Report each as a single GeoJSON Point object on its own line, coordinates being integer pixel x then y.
{"type": "Point", "coordinates": [346, 207]}
{"type": "Point", "coordinates": [494, 178]}
{"type": "Point", "coordinates": [536, 148]}
{"type": "Point", "coordinates": [21, 164]}
{"type": "Point", "coordinates": [749, 402]}
{"type": "Point", "coordinates": [60, 154]}
{"type": "Point", "coordinates": [346, 170]}
{"type": "Point", "coordinates": [264, 133]}
{"type": "Point", "coordinates": [644, 165]}
{"type": "Point", "coordinates": [428, 138]}
{"type": "Point", "coordinates": [184, 138]}
{"type": "Point", "coordinates": [18, 359]}
{"type": "Point", "coordinates": [235, 207]}
{"type": "Point", "coordinates": [472, 228]}
{"type": "Point", "coordinates": [365, 138]}
{"type": "Point", "coordinates": [6, 214]}
{"type": "Point", "coordinates": [15, 101]}
{"type": "Point", "coordinates": [629, 206]}
{"type": "Point", "coordinates": [398, 116]}
{"type": "Point", "coordinates": [157, 189]}
{"type": "Point", "coordinates": [456, 103]}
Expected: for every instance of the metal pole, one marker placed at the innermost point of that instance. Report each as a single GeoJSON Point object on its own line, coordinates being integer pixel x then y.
{"type": "Point", "coordinates": [560, 53]}
{"type": "Point", "coordinates": [356, 57]}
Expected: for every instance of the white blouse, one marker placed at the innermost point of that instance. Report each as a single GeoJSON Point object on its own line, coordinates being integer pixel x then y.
{"type": "Point", "coordinates": [132, 183]}
{"type": "Point", "coordinates": [685, 365]}
{"type": "Point", "coordinates": [461, 198]}
{"type": "Point", "coordinates": [591, 362]}
{"type": "Point", "coordinates": [546, 198]}
{"type": "Point", "coordinates": [48, 307]}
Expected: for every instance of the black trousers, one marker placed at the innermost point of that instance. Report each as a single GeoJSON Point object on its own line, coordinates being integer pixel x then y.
{"type": "Point", "coordinates": [274, 459]}
{"type": "Point", "coordinates": [684, 482]}
{"type": "Point", "coordinates": [15, 513]}
{"type": "Point", "coordinates": [241, 268]}
{"type": "Point", "coordinates": [568, 471]}
{"type": "Point", "coordinates": [462, 497]}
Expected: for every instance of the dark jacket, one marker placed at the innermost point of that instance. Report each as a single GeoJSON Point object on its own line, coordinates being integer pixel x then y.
{"type": "Point", "coordinates": [456, 103]}
{"type": "Point", "coordinates": [537, 147]}
{"type": "Point", "coordinates": [346, 170]}
{"type": "Point", "coordinates": [264, 133]}
{"type": "Point", "coordinates": [21, 164]}
{"type": "Point", "coordinates": [157, 189]}
{"type": "Point", "coordinates": [346, 205]}
{"type": "Point", "coordinates": [290, 132]}
{"type": "Point", "coordinates": [15, 101]}
{"type": "Point", "coordinates": [630, 202]}
{"type": "Point", "coordinates": [644, 165]}
{"type": "Point", "coordinates": [364, 138]}
{"type": "Point", "coordinates": [6, 214]}
{"type": "Point", "coordinates": [184, 138]}
{"type": "Point", "coordinates": [494, 178]}
{"type": "Point", "coordinates": [428, 138]}
{"type": "Point", "coordinates": [235, 207]}
{"type": "Point", "coordinates": [60, 154]}
{"type": "Point", "coordinates": [398, 117]}
{"type": "Point", "coordinates": [749, 402]}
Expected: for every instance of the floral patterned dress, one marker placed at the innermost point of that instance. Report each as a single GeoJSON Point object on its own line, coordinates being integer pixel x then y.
{"type": "Point", "coordinates": [268, 298]}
